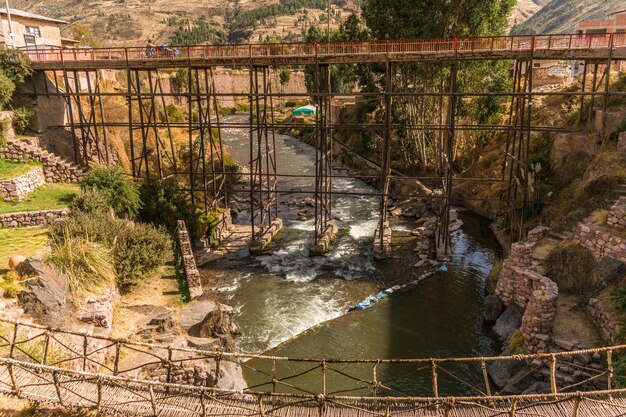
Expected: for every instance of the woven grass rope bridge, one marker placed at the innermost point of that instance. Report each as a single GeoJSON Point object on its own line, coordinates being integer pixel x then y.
{"type": "Point", "coordinates": [79, 371]}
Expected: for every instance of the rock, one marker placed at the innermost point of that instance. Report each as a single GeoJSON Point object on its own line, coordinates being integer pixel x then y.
{"type": "Point", "coordinates": [215, 324]}
{"type": "Point", "coordinates": [46, 295]}
{"type": "Point", "coordinates": [493, 308]}
{"type": "Point", "coordinates": [522, 380]}
{"type": "Point", "coordinates": [163, 322]}
{"type": "Point", "coordinates": [15, 261]}
{"type": "Point", "coordinates": [502, 372]}
{"type": "Point", "coordinates": [538, 387]}
{"type": "Point", "coordinates": [202, 343]}
{"type": "Point", "coordinates": [509, 322]}
{"type": "Point", "coordinates": [195, 312]}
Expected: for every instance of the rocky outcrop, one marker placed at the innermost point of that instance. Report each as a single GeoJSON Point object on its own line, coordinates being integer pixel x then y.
{"type": "Point", "coordinates": [55, 168]}
{"type": "Point", "coordinates": [15, 189]}
{"type": "Point", "coordinates": [98, 310]}
{"type": "Point", "coordinates": [46, 295]}
{"type": "Point", "coordinates": [32, 218]}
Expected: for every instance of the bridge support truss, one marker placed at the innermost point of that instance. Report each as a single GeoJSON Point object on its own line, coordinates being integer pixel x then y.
{"type": "Point", "coordinates": [325, 226]}
{"type": "Point", "coordinates": [264, 219]}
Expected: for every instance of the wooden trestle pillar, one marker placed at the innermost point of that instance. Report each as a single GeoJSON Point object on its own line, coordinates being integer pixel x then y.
{"type": "Point", "coordinates": [325, 226]}
{"type": "Point", "coordinates": [264, 219]}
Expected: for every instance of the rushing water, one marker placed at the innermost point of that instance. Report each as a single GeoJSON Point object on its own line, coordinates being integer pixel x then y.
{"type": "Point", "coordinates": [284, 293]}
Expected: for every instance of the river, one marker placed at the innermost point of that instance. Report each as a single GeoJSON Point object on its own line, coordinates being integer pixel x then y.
{"type": "Point", "coordinates": [280, 295]}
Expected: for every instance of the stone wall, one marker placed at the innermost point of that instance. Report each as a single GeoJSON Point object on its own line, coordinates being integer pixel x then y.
{"type": "Point", "coordinates": [520, 284]}
{"type": "Point", "coordinates": [617, 214]}
{"type": "Point", "coordinates": [32, 218]}
{"type": "Point", "coordinates": [189, 261]}
{"type": "Point", "coordinates": [608, 327]}
{"type": "Point", "coordinates": [55, 168]}
{"type": "Point", "coordinates": [15, 189]}
{"type": "Point", "coordinates": [98, 310]}
{"type": "Point", "coordinates": [601, 241]}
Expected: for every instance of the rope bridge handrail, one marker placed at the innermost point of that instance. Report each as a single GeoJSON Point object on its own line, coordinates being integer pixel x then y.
{"type": "Point", "coordinates": [128, 396]}
{"type": "Point", "coordinates": [248, 356]}
{"type": "Point", "coordinates": [379, 378]}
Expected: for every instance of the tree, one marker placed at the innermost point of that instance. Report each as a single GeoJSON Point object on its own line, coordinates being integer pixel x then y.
{"type": "Point", "coordinates": [15, 64]}
{"type": "Point", "coordinates": [84, 35]}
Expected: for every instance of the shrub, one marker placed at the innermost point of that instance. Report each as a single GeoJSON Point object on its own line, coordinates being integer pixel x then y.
{"type": "Point", "coordinates": [163, 204]}
{"type": "Point", "coordinates": [174, 115]}
{"type": "Point", "coordinates": [516, 344]}
{"type": "Point", "coordinates": [570, 267]}
{"type": "Point", "coordinates": [120, 192]}
{"type": "Point", "coordinates": [22, 117]}
{"type": "Point", "coordinates": [10, 284]}
{"type": "Point", "coordinates": [4, 132]}
{"type": "Point", "coordinates": [140, 250]}
{"type": "Point", "coordinates": [88, 265]}
{"type": "Point", "coordinates": [89, 202]}
{"type": "Point", "coordinates": [7, 88]}
{"type": "Point", "coordinates": [15, 64]}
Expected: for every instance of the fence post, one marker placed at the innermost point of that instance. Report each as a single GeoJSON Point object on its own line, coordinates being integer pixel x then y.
{"type": "Point", "coordinates": [433, 368]}
{"type": "Point", "coordinates": [483, 367]}
{"type": "Point", "coordinates": [46, 343]}
{"type": "Point", "coordinates": [57, 386]}
{"type": "Point", "coordinates": [553, 387]}
{"type": "Point", "coordinates": [13, 340]}
{"type": "Point", "coordinates": [577, 400]}
{"type": "Point", "coordinates": [99, 404]}
{"type": "Point", "coordinates": [153, 402]}
{"type": "Point", "coordinates": [116, 360]}
{"type": "Point", "coordinates": [85, 342]}
{"type": "Point", "coordinates": [169, 365]}
{"type": "Point", "coordinates": [609, 369]}
{"type": "Point", "coordinates": [16, 387]}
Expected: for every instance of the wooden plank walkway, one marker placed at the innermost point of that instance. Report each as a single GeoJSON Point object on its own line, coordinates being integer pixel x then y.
{"type": "Point", "coordinates": [141, 398]}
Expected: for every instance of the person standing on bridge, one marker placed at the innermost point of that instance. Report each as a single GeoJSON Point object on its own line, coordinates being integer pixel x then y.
{"type": "Point", "coordinates": [150, 49]}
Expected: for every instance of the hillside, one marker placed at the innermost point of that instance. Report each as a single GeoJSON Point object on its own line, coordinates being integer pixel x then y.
{"type": "Point", "coordinates": [562, 16]}
{"type": "Point", "coordinates": [132, 22]}
{"type": "Point", "coordinates": [524, 10]}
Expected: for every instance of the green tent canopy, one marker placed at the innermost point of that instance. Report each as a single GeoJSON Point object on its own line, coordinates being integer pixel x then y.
{"type": "Point", "coordinates": [305, 111]}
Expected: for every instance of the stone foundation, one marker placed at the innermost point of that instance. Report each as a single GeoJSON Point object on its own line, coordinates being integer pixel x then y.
{"type": "Point", "coordinates": [266, 236]}
{"type": "Point", "coordinates": [189, 261]}
{"type": "Point", "coordinates": [601, 241]}
{"type": "Point", "coordinates": [520, 284]}
{"type": "Point", "coordinates": [608, 327]}
{"type": "Point", "coordinates": [322, 244]}
{"type": "Point", "coordinates": [98, 311]}
{"type": "Point", "coordinates": [617, 214]}
{"type": "Point", "coordinates": [32, 218]}
{"type": "Point", "coordinates": [16, 189]}
{"type": "Point", "coordinates": [382, 250]}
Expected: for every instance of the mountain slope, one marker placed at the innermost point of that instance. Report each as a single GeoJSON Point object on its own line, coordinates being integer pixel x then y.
{"type": "Point", "coordinates": [562, 16]}
{"type": "Point", "coordinates": [133, 22]}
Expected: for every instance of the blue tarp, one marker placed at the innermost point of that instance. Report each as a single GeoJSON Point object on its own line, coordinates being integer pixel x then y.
{"type": "Point", "coordinates": [305, 111]}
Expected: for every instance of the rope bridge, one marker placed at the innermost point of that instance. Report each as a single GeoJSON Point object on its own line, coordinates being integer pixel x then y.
{"type": "Point", "coordinates": [77, 370]}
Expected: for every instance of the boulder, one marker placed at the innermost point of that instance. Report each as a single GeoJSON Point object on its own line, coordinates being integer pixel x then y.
{"type": "Point", "coordinates": [195, 312]}
{"type": "Point", "coordinates": [493, 308]}
{"type": "Point", "coordinates": [502, 372]}
{"type": "Point", "coordinates": [15, 261]}
{"type": "Point", "coordinates": [215, 324]}
{"type": "Point", "coordinates": [509, 322]}
{"type": "Point", "coordinates": [46, 295]}
{"type": "Point", "coordinates": [537, 387]}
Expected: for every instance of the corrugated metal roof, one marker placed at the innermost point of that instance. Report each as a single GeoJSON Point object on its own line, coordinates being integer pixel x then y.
{"type": "Point", "coordinates": [29, 15]}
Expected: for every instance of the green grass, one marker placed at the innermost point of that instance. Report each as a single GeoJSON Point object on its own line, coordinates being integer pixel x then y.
{"type": "Point", "coordinates": [12, 169]}
{"type": "Point", "coordinates": [46, 197]}
{"type": "Point", "coordinates": [26, 241]}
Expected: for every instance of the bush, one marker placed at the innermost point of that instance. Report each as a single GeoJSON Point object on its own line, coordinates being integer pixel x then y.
{"type": "Point", "coordinates": [22, 117]}
{"type": "Point", "coordinates": [139, 251]}
{"type": "Point", "coordinates": [174, 115]}
{"type": "Point", "coordinates": [570, 267]}
{"type": "Point", "coordinates": [163, 204]}
{"type": "Point", "coordinates": [10, 284]}
{"type": "Point", "coordinates": [89, 202]}
{"type": "Point", "coordinates": [4, 132]}
{"type": "Point", "coordinates": [15, 64]}
{"type": "Point", "coordinates": [121, 193]}
{"type": "Point", "coordinates": [516, 345]}
{"type": "Point", "coordinates": [7, 88]}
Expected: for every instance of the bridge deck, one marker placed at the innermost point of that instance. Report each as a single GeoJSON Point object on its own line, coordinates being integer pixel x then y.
{"type": "Point", "coordinates": [139, 398]}
{"type": "Point", "coordinates": [490, 48]}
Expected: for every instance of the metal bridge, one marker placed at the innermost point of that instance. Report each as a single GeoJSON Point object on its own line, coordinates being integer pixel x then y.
{"type": "Point", "coordinates": [74, 78]}
{"type": "Point", "coordinates": [119, 377]}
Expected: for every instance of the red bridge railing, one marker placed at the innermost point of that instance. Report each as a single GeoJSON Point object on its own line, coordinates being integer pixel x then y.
{"type": "Point", "coordinates": [311, 50]}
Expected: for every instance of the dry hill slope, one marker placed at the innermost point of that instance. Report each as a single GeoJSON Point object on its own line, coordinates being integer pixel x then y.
{"type": "Point", "coordinates": [562, 16]}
